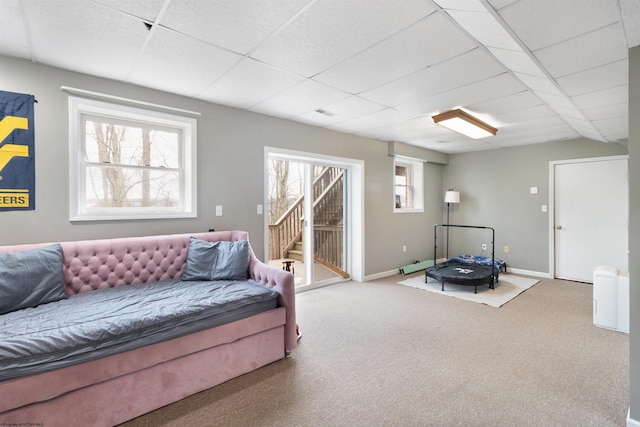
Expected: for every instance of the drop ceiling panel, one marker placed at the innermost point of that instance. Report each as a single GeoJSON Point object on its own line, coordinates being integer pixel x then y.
{"type": "Point", "coordinates": [541, 23]}
{"type": "Point", "coordinates": [340, 111]}
{"type": "Point", "coordinates": [468, 68]}
{"type": "Point", "coordinates": [326, 33]}
{"type": "Point", "coordinates": [499, 4]}
{"type": "Point", "coordinates": [430, 41]}
{"type": "Point", "coordinates": [530, 126]}
{"type": "Point", "coordinates": [218, 22]}
{"type": "Point", "coordinates": [377, 119]}
{"type": "Point", "coordinates": [608, 112]}
{"type": "Point", "coordinates": [300, 99]}
{"type": "Point", "coordinates": [13, 37]}
{"type": "Point", "coordinates": [468, 5]}
{"type": "Point", "coordinates": [619, 122]}
{"type": "Point", "coordinates": [585, 52]}
{"type": "Point", "coordinates": [194, 64]}
{"type": "Point", "coordinates": [144, 9]}
{"type": "Point", "coordinates": [248, 83]}
{"type": "Point", "coordinates": [467, 146]}
{"type": "Point", "coordinates": [492, 88]}
{"type": "Point", "coordinates": [569, 111]}
{"type": "Point", "coordinates": [524, 116]}
{"type": "Point", "coordinates": [604, 77]}
{"type": "Point", "coordinates": [485, 29]}
{"type": "Point", "coordinates": [581, 126]}
{"type": "Point", "coordinates": [517, 101]}
{"type": "Point", "coordinates": [602, 98]}
{"type": "Point", "coordinates": [406, 130]}
{"type": "Point", "coordinates": [630, 10]}
{"type": "Point", "coordinates": [543, 133]}
{"type": "Point", "coordinates": [614, 135]}
{"type": "Point", "coordinates": [555, 100]}
{"type": "Point", "coordinates": [539, 85]}
{"type": "Point", "coordinates": [517, 61]}
{"type": "Point", "coordinates": [64, 42]}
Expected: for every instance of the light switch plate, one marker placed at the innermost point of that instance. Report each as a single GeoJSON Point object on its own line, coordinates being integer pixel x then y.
{"type": "Point", "coordinates": [218, 210]}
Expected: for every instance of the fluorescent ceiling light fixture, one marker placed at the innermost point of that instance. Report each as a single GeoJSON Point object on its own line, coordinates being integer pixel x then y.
{"type": "Point", "coordinates": [464, 123]}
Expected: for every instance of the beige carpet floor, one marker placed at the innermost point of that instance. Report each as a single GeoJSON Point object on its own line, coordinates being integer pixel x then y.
{"type": "Point", "coordinates": [504, 290]}
{"type": "Point", "coordinates": [382, 354]}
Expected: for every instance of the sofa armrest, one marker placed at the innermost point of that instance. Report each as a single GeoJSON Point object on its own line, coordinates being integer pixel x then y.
{"type": "Point", "coordinates": [282, 282]}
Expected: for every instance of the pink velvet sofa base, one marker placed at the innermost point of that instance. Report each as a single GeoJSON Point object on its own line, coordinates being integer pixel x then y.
{"type": "Point", "coordinates": [117, 388]}
{"type": "Point", "coordinates": [126, 397]}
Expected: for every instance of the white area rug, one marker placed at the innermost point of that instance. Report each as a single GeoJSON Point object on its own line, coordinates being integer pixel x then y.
{"type": "Point", "coordinates": [507, 288]}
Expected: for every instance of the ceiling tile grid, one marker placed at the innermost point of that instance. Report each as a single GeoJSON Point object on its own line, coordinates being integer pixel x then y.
{"type": "Point", "coordinates": [66, 42]}
{"type": "Point", "coordinates": [542, 23]}
{"type": "Point", "coordinates": [237, 25]}
{"type": "Point", "coordinates": [430, 41]}
{"type": "Point", "coordinates": [539, 70]}
{"type": "Point", "coordinates": [193, 66]}
{"type": "Point", "coordinates": [331, 31]}
{"type": "Point", "coordinates": [249, 82]}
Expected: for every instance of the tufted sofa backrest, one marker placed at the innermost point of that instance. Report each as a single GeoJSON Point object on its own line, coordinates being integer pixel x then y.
{"type": "Point", "coordinates": [106, 263]}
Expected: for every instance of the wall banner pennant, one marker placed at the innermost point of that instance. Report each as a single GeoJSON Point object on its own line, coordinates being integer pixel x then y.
{"type": "Point", "coordinates": [17, 152]}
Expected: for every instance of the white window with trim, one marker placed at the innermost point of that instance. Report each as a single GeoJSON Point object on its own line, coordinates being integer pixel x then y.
{"type": "Point", "coordinates": [130, 163]}
{"type": "Point", "coordinates": [408, 184]}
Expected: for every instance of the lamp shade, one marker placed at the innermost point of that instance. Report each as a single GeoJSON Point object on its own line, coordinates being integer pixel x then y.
{"type": "Point", "coordinates": [452, 197]}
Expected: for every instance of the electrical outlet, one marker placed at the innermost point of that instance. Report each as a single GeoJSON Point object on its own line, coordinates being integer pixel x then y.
{"type": "Point", "coordinates": [404, 248]}
{"type": "Point", "coordinates": [506, 249]}
{"type": "Point", "coordinates": [484, 246]}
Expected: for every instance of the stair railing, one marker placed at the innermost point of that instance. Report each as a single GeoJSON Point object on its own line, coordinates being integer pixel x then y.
{"type": "Point", "coordinates": [283, 235]}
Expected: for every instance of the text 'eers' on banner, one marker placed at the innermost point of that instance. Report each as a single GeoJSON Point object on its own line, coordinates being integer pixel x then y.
{"type": "Point", "coordinates": [17, 152]}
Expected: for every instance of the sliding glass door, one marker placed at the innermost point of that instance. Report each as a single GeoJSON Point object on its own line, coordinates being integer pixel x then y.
{"type": "Point", "coordinates": [307, 220]}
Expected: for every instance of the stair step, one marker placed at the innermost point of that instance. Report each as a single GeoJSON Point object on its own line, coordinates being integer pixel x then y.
{"type": "Point", "coordinates": [295, 255]}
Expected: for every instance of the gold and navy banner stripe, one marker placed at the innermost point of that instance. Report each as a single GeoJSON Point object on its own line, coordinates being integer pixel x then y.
{"type": "Point", "coordinates": [17, 152]}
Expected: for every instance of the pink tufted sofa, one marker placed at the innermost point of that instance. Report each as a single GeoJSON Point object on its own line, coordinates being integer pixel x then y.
{"type": "Point", "coordinates": [117, 388]}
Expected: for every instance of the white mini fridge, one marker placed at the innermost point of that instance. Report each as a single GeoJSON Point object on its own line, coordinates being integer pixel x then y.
{"type": "Point", "coordinates": [611, 299]}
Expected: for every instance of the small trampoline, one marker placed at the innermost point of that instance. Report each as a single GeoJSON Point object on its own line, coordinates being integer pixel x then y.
{"type": "Point", "coordinates": [461, 272]}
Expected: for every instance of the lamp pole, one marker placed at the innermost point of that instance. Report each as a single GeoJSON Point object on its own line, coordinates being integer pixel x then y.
{"type": "Point", "coordinates": [450, 197]}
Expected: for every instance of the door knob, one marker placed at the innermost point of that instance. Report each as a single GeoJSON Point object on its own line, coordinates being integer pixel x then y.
{"type": "Point", "coordinates": [558, 227]}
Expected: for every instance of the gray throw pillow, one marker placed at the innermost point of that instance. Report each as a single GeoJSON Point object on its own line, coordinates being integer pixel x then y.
{"type": "Point", "coordinates": [217, 260]}
{"type": "Point", "coordinates": [30, 278]}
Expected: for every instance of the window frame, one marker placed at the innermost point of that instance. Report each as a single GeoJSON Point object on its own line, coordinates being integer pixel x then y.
{"type": "Point", "coordinates": [416, 183]}
{"type": "Point", "coordinates": [78, 163]}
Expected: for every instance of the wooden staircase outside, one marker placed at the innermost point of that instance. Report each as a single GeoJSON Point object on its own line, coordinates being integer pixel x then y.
{"type": "Point", "coordinates": [285, 236]}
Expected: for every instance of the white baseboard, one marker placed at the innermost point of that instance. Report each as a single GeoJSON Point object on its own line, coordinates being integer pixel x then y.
{"type": "Point", "coordinates": [388, 273]}
{"type": "Point", "coordinates": [630, 421]}
{"type": "Point", "coordinates": [380, 275]}
{"type": "Point", "coordinates": [529, 273]}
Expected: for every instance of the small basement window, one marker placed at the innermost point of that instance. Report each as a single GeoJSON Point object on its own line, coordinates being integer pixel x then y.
{"type": "Point", "coordinates": [409, 185]}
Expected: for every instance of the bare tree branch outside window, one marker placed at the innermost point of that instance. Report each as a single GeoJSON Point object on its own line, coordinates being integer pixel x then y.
{"type": "Point", "coordinates": [131, 166]}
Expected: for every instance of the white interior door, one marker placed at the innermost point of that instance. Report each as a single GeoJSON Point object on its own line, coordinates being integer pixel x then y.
{"type": "Point", "coordinates": [591, 208]}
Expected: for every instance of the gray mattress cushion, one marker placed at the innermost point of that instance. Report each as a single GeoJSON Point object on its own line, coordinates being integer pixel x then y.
{"type": "Point", "coordinates": [109, 321]}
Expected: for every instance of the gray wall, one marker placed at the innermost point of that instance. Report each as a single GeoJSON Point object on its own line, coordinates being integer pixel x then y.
{"type": "Point", "coordinates": [634, 230]}
{"type": "Point", "coordinates": [494, 191]}
{"type": "Point", "coordinates": [230, 171]}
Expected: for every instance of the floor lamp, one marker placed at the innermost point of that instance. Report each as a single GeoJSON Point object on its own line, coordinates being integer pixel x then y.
{"type": "Point", "coordinates": [450, 197]}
